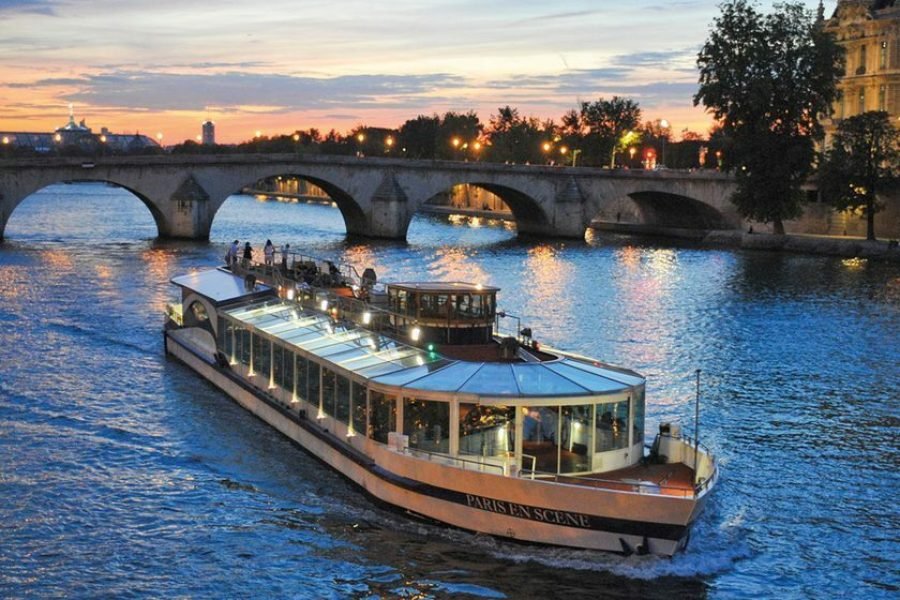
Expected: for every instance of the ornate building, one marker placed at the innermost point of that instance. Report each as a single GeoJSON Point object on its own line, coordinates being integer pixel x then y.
{"type": "Point", "coordinates": [870, 33]}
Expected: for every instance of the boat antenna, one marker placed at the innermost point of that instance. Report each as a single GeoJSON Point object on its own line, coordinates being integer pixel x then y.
{"type": "Point", "coordinates": [696, 426]}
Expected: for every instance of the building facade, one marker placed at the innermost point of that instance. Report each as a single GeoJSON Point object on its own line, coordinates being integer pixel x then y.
{"type": "Point", "coordinates": [208, 136]}
{"type": "Point", "coordinates": [869, 31]}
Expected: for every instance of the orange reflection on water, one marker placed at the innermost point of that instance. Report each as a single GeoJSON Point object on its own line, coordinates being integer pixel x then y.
{"type": "Point", "coordinates": [453, 264]}
{"type": "Point", "coordinates": [57, 260]}
{"type": "Point", "coordinates": [159, 264]}
{"type": "Point", "coordinates": [361, 258]}
{"type": "Point", "coordinates": [13, 285]}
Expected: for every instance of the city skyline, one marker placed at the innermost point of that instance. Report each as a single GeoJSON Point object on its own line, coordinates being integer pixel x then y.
{"type": "Point", "coordinates": [164, 67]}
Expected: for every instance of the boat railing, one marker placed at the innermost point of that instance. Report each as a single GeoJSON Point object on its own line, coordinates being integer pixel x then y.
{"type": "Point", "coordinates": [456, 461]}
{"type": "Point", "coordinates": [533, 460]}
{"type": "Point", "coordinates": [642, 487]}
{"type": "Point", "coordinates": [319, 293]}
{"type": "Point", "coordinates": [703, 483]}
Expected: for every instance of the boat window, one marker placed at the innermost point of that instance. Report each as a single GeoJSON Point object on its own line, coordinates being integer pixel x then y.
{"type": "Point", "coordinates": [638, 407]}
{"type": "Point", "coordinates": [434, 306]}
{"type": "Point", "coordinates": [575, 430]}
{"type": "Point", "coordinates": [328, 392]}
{"type": "Point", "coordinates": [540, 435]}
{"type": "Point", "coordinates": [342, 404]}
{"type": "Point", "coordinates": [278, 364]}
{"type": "Point", "coordinates": [612, 426]}
{"type": "Point", "coordinates": [312, 382]}
{"type": "Point", "coordinates": [384, 416]}
{"type": "Point", "coordinates": [227, 345]}
{"type": "Point", "coordinates": [261, 358]}
{"type": "Point", "coordinates": [486, 430]}
{"type": "Point", "coordinates": [301, 378]}
{"type": "Point", "coordinates": [359, 408]}
{"type": "Point", "coordinates": [399, 302]}
{"type": "Point", "coordinates": [244, 353]}
{"type": "Point", "coordinates": [427, 423]}
{"type": "Point", "coordinates": [199, 312]}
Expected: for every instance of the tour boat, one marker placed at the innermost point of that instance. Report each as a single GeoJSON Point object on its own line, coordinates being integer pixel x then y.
{"type": "Point", "coordinates": [415, 392]}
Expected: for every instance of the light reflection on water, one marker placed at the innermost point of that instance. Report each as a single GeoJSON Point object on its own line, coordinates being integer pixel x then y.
{"type": "Point", "coordinates": [121, 473]}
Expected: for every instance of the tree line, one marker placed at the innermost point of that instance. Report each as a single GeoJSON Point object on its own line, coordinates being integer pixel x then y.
{"type": "Point", "coordinates": [601, 133]}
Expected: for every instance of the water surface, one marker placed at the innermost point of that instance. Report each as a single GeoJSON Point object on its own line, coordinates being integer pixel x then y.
{"type": "Point", "coordinates": [124, 474]}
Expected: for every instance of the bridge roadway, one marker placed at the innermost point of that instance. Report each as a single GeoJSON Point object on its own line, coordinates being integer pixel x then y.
{"type": "Point", "coordinates": [379, 196]}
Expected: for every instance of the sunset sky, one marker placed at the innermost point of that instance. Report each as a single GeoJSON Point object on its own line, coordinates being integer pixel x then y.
{"type": "Point", "coordinates": [164, 66]}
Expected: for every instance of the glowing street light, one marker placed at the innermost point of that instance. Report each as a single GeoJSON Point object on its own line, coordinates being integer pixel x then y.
{"type": "Point", "coordinates": [664, 125]}
{"type": "Point", "coordinates": [296, 137]}
{"type": "Point", "coordinates": [159, 138]}
{"type": "Point", "coordinates": [388, 143]}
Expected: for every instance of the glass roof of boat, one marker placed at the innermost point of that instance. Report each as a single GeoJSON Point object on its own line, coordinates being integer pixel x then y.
{"type": "Point", "coordinates": [218, 285]}
{"type": "Point", "coordinates": [389, 362]}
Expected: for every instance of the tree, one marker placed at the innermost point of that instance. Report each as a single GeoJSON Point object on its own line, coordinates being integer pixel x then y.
{"type": "Point", "coordinates": [608, 122]}
{"type": "Point", "coordinates": [456, 134]}
{"type": "Point", "coordinates": [419, 136]}
{"type": "Point", "coordinates": [768, 79]}
{"type": "Point", "coordinates": [863, 160]}
{"type": "Point", "coordinates": [514, 138]}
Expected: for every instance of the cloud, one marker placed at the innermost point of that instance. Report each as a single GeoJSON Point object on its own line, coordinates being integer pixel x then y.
{"type": "Point", "coordinates": [252, 92]}
{"type": "Point", "coordinates": [41, 7]}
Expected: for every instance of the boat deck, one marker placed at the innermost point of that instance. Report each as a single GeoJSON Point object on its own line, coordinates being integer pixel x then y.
{"type": "Point", "coordinates": [674, 479]}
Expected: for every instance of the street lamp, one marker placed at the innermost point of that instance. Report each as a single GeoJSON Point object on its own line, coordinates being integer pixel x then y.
{"type": "Point", "coordinates": [388, 144]}
{"type": "Point", "coordinates": [476, 148]}
{"type": "Point", "coordinates": [159, 139]}
{"type": "Point", "coordinates": [664, 126]}
{"type": "Point", "coordinates": [575, 154]}
{"type": "Point", "coordinates": [631, 152]}
{"type": "Point", "coordinates": [360, 138]}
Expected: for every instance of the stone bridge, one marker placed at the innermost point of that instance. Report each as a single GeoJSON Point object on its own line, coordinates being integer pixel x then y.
{"type": "Point", "coordinates": [379, 196]}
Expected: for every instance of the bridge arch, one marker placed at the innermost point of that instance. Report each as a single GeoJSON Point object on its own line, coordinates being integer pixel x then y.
{"type": "Point", "coordinates": [354, 216]}
{"type": "Point", "coordinates": [9, 205]}
{"type": "Point", "coordinates": [528, 214]}
{"type": "Point", "coordinates": [666, 209]}
{"type": "Point", "coordinates": [658, 211]}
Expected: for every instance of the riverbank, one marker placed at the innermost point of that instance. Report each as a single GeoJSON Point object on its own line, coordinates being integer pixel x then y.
{"type": "Point", "coordinates": [847, 247]}
{"type": "Point", "coordinates": [806, 244]}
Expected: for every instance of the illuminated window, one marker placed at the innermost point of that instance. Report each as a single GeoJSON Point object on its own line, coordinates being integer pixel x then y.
{"type": "Point", "coordinates": [882, 55]}
{"type": "Point", "coordinates": [427, 423]}
{"type": "Point", "coordinates": [882, 98]}
{"type": "Point", "coordinates": [861, 107]}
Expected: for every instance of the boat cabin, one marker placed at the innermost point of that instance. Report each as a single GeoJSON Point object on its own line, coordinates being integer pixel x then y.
{"type": "Point", "coordinates": [450, 313]}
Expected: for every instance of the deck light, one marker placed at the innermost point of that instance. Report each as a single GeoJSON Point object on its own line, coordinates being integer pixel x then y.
{"type": "Point", "coordinates": [290, 294]}
{"type": "Point", "coordinates": [324, 305]}
{"type": "Point", "coordinates": [415, 334]}
{"type": "Point", "coordinates": [366, 318]}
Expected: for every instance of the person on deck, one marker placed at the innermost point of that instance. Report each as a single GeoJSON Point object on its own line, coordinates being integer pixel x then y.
{"type": "Point", "coordinates": [269, 253]}
{"type": "Point", "coordinates": [248, 254]}
{"type": "Point", "coordinates": [285, 251]}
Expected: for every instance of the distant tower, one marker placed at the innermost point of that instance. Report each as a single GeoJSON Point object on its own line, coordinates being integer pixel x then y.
{"type": "Point", "coordinates": [209, 133]}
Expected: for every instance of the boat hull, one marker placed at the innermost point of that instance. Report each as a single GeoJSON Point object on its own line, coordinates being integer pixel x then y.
{"type": "Point", "coordinates": [529, 510]}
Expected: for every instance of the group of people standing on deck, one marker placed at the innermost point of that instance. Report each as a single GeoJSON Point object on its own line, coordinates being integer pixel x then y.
{"type": "Point", "coordinates": [231, 256]}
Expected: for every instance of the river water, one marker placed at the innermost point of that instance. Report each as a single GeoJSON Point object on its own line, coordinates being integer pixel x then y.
{"type": "Point", "coordinates": [122, 474]}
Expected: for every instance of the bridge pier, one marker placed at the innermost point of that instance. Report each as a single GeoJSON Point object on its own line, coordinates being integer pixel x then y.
{"type": "Point", "coordinates": [186, 214]}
